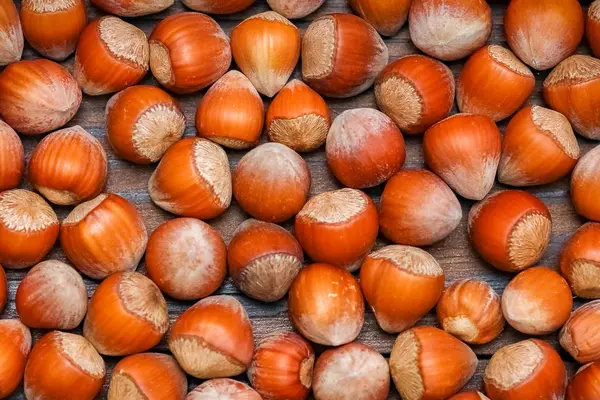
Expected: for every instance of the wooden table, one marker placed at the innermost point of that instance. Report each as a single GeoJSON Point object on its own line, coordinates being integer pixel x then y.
{"type": "Point", "coordinates": [455, 254]}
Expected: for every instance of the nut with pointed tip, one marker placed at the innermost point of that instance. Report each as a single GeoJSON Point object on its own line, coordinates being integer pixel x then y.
{"type": "Point", "coordinates": [418, 367]}
{"type": "Point", "coordinates": [510, 229]}
{"type": "Point", "coordinates": [342, 55]}
{"type": "Point", "coordinates": [533, 311]}
{"type": "Point", "coordinates": [231, 113]}
{"type": "Point", "coordinates": [418, 209]}
{"type": "Point", "coordinates": [192, 180]}
{"type": "Point", "coordinates": [68, 166]}
{"type": "Point", "coordinates": [578, 335]}
{"type": "Point", "coordinates": [415, 91]}
{"type": "Point", "coordinates": [3, 289]}
{"type": "Point", "coordinates": [272, 182]}
{"type": "Point", "coordinates": [387, 16]}
{"type": "Point", "coordinates": [592, 27]}
{"type": "Point", "coordinates": [263, 260]}
{"type": "Point", "coordinates": [133, 8]}
{"type": "Point", "coordinates": [223, 388]}
{"type": "Point", "coordinates": [525, 370]}
{"type": "Point", "coordinates": [186, 258]}
{"type": "Point", "coordinates": [585, 185]}
{"type": "Point", "coordinates": [295, 9]}
{"type": "Point", "coordinates": [37, 96]}
{"type": "Point", "coordinates": [111, 55]}
{"type": "Point", "coordinates": [354, 371]}
{"type": "Point", "coordinates": [471, 311]}
{"type": "Point", "coordinates": [298, 117]}
{"type": "Point", "coordinates": [15, 344]}
{"type": "Point", "coordinates": [539, 147]}
{"type": "Point", "coordinates": [213, 338]}
{"type": "Point", "coordinates": [282, 367]}
{"type": "Point", "coordinates": [53, 28]}
{"type": "Point", "coordinates": [449, 29]}
{"type": "Point", "coordinates": [401, 284]}
{"type": "Point", "coordinates": [218, 6]}
{"type": "Point", "coordinates": [52, 296]}
{"type": "Point", "coordinates": [142, 122]}
{"type": "Point", "coordinates": [326, 305]}
{"type": "Point", "coordinates": [584, 385]}
{"type": "Point", "coordinates": [573, 89]}
{"type": "Point", "coordinates": [364, 148]}
{"type": "Point", "coordinates": [338, 227]}
{"type": "Point", "coordinates": [188, 52]}
{"type": "Point", "coordinates": [266, 47]}
{"type": "Point", "coordinates": [63, 365]}
{"type": "Point", "coordinates": [580, 261]}
{"type": "Point", "coordinates": [12, 158]}
{"type": "Point", "coordinates": [11, 33]}
{"type": "Point", "coordinates": [469, 396]}
{"type": "Point", "coordinates": [545, 32]}
{"type": "Point", "coordinates": [104, 236]}
{"type": "Point", "coordinates": [464, 150]}
{"type": "Point", "coordinates": [494, 83]}
{"type": "Point", "coordinates": [147, 376]}
{"type": "Point", "coordinates": [127, 314]}
{"type": "Point", "coordinates": [28, 227]}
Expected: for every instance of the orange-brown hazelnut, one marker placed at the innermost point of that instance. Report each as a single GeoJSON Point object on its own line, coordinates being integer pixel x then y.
{"type": "Point", "coordinates": [12, 158]}
{"type": "Point", "coordinates": [263, 260]}
{"type": "Point", "coordinates": [127, 314]}
{"type": "Point", "coordinates": [15, 344]}
{"type": "Point", "coordinates": [271, 182]}
{"type": "Point", "coordinates": [11, 37]}
{"type": "Point", "coordinates": [338, 227]}
{"type": "Point", "coordinates": [580, 261]}
{"type": "Point", "coordinates": [578, 335]}
{"type": "Point", "coordinates": [186, 258]}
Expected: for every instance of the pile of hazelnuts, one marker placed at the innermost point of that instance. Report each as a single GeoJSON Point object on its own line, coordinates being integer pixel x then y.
{"type": "Point", "coordinates": [104, 235]}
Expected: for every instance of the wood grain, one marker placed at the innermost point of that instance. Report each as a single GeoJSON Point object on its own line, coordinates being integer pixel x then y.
{"type": "Point", "coordinates": [454, 253]}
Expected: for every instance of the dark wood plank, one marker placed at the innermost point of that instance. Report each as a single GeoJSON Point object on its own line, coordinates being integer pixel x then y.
{"type": "Point", "coordinates": [454, 253]}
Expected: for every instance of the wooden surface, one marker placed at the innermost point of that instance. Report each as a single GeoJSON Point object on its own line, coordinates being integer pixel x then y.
{"type": "Point", "coordinates": [456, 256]}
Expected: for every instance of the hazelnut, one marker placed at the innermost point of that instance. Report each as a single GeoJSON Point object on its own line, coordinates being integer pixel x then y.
{"type": "Point", "coordinates": [263, 260]}
{"type": "Point", "coordinates": [592, 27]}
{"type": "Point", "coordinates": [353, 371]}
{"type": "Point", "coordinates": [585, 185]}
{"type": "Point", "coordinates": [578, 336]}
{"type": "Point", "coordinates": [298, 117]}
{"type": "Point", "coordinates": [231, 113]}
{"type": "Point", "coordinates": [364, 148]}
{"type": "Point", "coordinates": [53, 28]}
{"type": "Point", "coordinates": [271, 182]}
{"type": "Point", "coordinates": [52, 296]}
{"type": "Point", "coordinates": [15, 344]}
{"type": "Point", "coordinates": [188, 52]}
{"type": "Point", "coordinates": [415, 92]}
{"type": "Point", "coordinates": [133, 8]}
{"type": "Point", "coordinates": [418, 365]}
{"type": "Point", "coordinates": [213, 338]}
{"type": "Point", "coordinates": [11, 37]}
{"type": "Point", "coordinates": [37, 96]}
{"type": "Point", "coordinates": [401, 284]}
{"type": "Point", "coordinates": [230, 389]}
{"type": "Point", "coordinates": [127, 314]}
{"type": "Point", "coordinates": [471, 311]}
{"type": "Point", "coordinates": [266, 47]}
{"type": "Point", "coordinates": [449, 30]}
{"type": "Point", "coordinates": [192, 180]}
{"type": "Point", "coordinates": [28, 227]}
{"type": "Point", "coordinates": [539, 147]}
{"type": "Point", "coordinates": [510, 229]}
{"type": "Point", "coordinates": [142, 122]}
{"type": "Point", "coordinates": [342, 55]}
{"type": "Point", "coordinates": [543, 33]}
{"type": "Point", "coordinates": [418, 209]}
{"type": "Point", "coordinates": [63, 365]}
{"type": "Point", "coordinates": [584, 385]}
{"type": "Point", "coordinates": [294, 9]}
{"type": "Point", "coordinates": [12, 158]}
{"type": "Point", "coordinates": [186, 258]}
{"type": "Point", "coordinates": [104, 236]}
{"type": "Point", "coordinates": [326, 305]}
{"type": "Point", "coordinates": [387, 16]}
{"type": "Point", "coordinates": [218, 6]}
{"type": "Point", "coordinates": [580, 261]}
{"type": "Point", "coordinates": [338, 227]}
{"type": "Point", "coordinates": [464, 150]}
{"type": "Point", "coordinates": [68, 166]}
{"type": "Point", "coordinates": [535, 311]}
